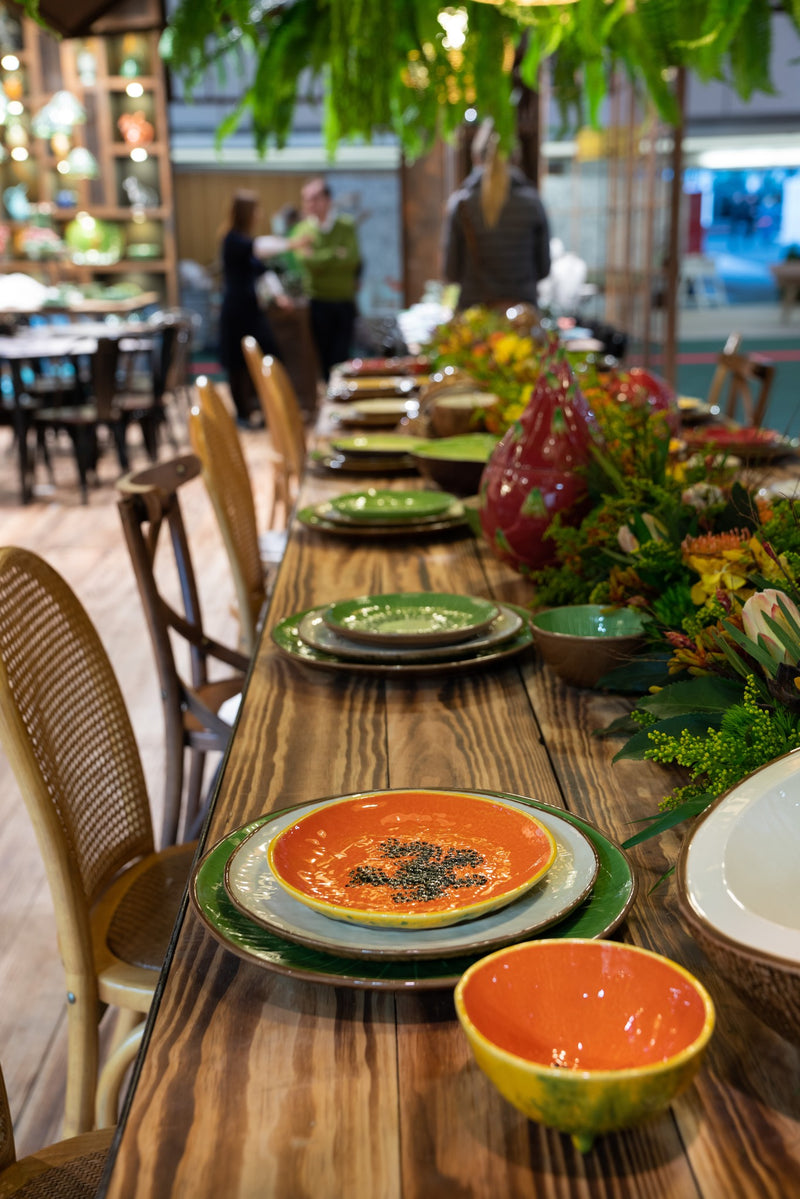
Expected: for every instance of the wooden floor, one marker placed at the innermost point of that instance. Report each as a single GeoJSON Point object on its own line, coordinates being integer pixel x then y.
{"type": "Point", "coordinates": [84, 543]}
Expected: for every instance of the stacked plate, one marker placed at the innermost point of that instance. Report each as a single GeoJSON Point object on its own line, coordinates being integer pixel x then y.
{"type": "Point", "coordinates": [406, 888]}
{"type": "Point", "coordinates": [376, 413]}
{"type": "Point", "coordinates": [405, 633]}
{"type": "Point", "coordinates": [370, 453]}
{"type": "Point", "coordinates": [379, 512]}
{"type": "Point", "coordinates": [373, 386]}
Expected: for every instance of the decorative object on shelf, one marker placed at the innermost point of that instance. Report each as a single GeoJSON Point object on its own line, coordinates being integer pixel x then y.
{"type": "Point", "coordinates": [93, 242]}
{"type": "Point", "coordinates": [139, 196]}
{"type": "Point", "coordinates": [135, 128]}
{"type": "Point", "coordinates": [87, 67]}
{"type": "Point", "coordinates": [39, 242]}
{"type": "Point", "coordinates": [16, 202]}
{"type": "Point", "coordinates": [65, 198]}
{"type": "Point", "coordinates": [12, 85]}
{"type": "Point", "coordinates": [534, 472]}
{"type": "Point", "coordinates": [59, 115]}
{"type": "Point", "coordinates": [79, 163]}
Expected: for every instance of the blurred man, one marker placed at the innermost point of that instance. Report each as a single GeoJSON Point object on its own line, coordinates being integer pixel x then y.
{"type": "Point", "coordinates": [330, 267]}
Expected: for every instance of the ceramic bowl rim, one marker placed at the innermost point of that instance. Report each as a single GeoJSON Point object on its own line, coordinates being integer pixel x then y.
{"type": "Point", "coordinates": [760, 956]}
{"type": "Point", "coordinates": [584, 637]}
{"type": "Point", "coordinates": [650, 1070]}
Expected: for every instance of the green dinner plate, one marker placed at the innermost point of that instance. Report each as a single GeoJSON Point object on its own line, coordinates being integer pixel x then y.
{"type": "Point", "coordinates": [611, 898]}
{"type": "Point", "coordinates": [411, 618]}
{"type": "Point", "coordinates": [378, 504]}
{"type": "Point", "coordinates": [376, 443]}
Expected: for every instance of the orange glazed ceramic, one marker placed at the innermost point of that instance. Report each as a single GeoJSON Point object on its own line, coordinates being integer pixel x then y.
{"type": "Point", "coordinates": [584, 1036]}
{"type": "Point", "coordinates": [411, 858]}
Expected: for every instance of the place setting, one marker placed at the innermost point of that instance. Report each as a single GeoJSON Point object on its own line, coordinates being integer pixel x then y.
{"type": "Point", "coordinates": [377, 386]}
{"type": "Point", "coordinates": [379, 453]}
{"type": "Point", "coordinates": [406, 888]}
{"type": "Point", "coordinates": [405, 633]}
{"type": "Point", "coordinates": [375, 413]}
{"type": "Point", "coordinates": [381, 512]}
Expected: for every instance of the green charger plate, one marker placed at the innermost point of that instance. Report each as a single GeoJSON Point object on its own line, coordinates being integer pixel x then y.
{"type": "Point", "coordinates": [611, 898]}
{"type": "Point", "coordinates": [411, 618]}
{"type": "Point", "coordinates": [379, 504]}
{"type": "Point", "coordinates": [468, 447]}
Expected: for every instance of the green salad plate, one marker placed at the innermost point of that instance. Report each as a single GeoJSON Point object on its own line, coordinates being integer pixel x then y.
{"type": "Point", "coordinates": [384, 505]}
{"type": "Point", "coordinates": [411, 618]}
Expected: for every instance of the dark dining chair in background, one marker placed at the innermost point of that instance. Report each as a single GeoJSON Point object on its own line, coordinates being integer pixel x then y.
{"type": "Point", "coordinates": [150, 509]}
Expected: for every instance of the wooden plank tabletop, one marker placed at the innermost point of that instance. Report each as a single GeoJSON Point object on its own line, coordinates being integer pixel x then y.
{"type": "Point", "coordinates": [256, 1084]}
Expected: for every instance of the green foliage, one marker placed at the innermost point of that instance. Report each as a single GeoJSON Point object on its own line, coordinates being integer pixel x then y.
{"type": "Point", "coordinates": [384, 66]}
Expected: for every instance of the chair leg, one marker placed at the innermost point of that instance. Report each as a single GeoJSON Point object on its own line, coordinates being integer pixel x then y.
{"type": "Point", "coordinates": [82, 1060]}
{"type": "Point", "coordinates": [149, 423]}
{"type": "Point", "coordinates": [194, 787]}
{"type": "Point", "coordinates": [84, 443]}
{"type": "Point", "coordinates": [113, 1076]}
{"type": "Point", "coordinates": [119, 433]}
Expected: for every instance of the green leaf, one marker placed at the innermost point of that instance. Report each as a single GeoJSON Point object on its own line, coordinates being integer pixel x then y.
{"type": "Point", "coordinates": [622, 724]}
{"type": "Point", "coordinates": [707, 693]}
{"type": "Point", "coordinates": [696, 723]}
{"type": "Point", "coordinates": [667, 820]}
{"type": "Point", "coordinates": [639, 675]}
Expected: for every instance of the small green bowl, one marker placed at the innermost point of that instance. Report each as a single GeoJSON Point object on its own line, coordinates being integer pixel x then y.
{"type": "Point", "coordinates": [583, 642]}
{"type": "Point", "coordinates": [455, 463]}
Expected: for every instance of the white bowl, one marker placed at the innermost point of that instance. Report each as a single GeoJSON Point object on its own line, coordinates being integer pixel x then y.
{"type": "Point", "coordinates": [738, 888]}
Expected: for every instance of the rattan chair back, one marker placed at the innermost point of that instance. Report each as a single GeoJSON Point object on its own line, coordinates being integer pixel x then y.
{"type": "Point", "coordinates": [290, 449]}
{"type": "Point", "coordinates": [68, 734]}
{"type": "Point", "coordinates": [212, 431]}
{"type": "Point", "coordinates": [150, 510]}
{"type": "Point", "coordinates": [69, 740]}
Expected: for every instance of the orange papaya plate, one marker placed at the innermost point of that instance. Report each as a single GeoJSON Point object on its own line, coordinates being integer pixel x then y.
{"type": "Point", "coordinates": [411, 859]}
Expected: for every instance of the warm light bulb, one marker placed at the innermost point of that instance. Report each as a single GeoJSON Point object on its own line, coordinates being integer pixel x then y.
{"type": "Point", "coordinates": [9, 62]}
{"type": "Point", "coordinates": [62, 167]}
{"type": "Point", "coordinates": [134, 90]}
{"type": "Point", "coordinates": [139, 154]}
{"type": "Point", "coordinates": [15, 108]}
{"type": "Point", "coordinates": [19, 154]}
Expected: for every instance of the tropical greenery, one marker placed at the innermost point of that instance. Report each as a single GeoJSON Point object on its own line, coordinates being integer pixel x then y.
{"type": "Point", "coordinates": [413, 67]}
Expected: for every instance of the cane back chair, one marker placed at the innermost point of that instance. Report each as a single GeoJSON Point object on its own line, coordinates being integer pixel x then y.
{"type": "Point", "coordinates": [69, 740]}
{"type": "Point", "coordinates": [212, 432]}
{"type": "Point", "coordinates": [284, 421]}
{"type": "Point", "coordinates": [66, 1170]}
{"type": "Point", "coordinates": [150, 510]}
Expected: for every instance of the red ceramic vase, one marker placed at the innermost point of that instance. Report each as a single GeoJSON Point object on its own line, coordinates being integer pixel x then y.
{"type": "Point", "coordinates": [534, 471]}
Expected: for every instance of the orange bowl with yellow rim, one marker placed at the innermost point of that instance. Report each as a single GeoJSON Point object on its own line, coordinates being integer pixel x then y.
{"type": "Point", "coordinates": [584, 1036]}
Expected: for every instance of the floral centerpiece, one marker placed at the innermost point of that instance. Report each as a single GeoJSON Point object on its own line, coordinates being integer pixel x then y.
{"type": "Point", "coordinates": [712, 566]}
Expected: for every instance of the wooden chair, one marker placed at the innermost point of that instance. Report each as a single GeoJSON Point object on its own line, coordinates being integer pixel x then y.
{"type": "Point", "coordinates": [212, 432]}
{"type": "Point", "coordinates": [749, 379]}
{"type": "Point", "coordinates": [105, 405]}
{"type": "Point", "coordinates": [64, 1171]}
{"type": "Point", "coordinates": [68, 738]}
{"type": "Point", "coordinates": [149, 507]}
{"type": "Point", "coordinates": [284, 421]}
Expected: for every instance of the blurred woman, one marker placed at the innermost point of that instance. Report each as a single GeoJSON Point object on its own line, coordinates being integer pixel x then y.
{"type": "Point", "coordinates": [241, 315]}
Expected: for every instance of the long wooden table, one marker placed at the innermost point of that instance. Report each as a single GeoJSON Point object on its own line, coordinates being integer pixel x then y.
{"type": "Point", "coordinates": [252, 1083]}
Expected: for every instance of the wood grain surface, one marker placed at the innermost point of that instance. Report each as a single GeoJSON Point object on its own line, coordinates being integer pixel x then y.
{"type": "Point", "coordinates": [254, 1084]}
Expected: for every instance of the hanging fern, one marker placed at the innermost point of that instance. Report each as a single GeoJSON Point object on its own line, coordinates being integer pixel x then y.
{"type": "Point", "coordinates": [385, 66]}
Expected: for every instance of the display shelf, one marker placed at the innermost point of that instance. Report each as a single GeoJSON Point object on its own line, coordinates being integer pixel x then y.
{"type": "Point", "coordinates": [97, 69]}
